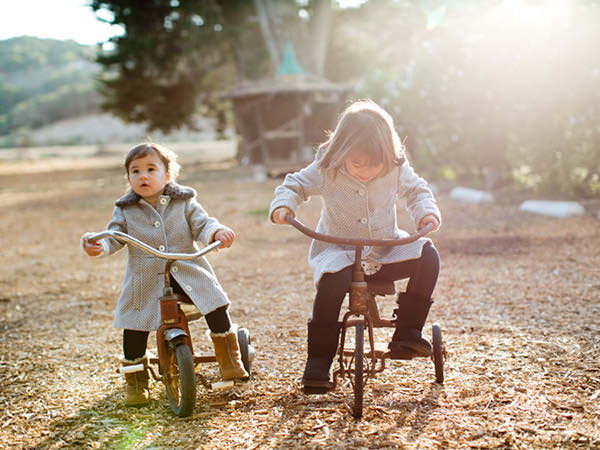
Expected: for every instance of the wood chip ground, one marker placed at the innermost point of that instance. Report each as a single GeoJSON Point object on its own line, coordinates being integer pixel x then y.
{"type": "Point", "coordinates": [518, 300]}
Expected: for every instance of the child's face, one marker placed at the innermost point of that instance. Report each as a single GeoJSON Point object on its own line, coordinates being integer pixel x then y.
{"type": "Point", "coordinates": [357, 165]}
{"type": "Point", "coordinates": [148, 176]}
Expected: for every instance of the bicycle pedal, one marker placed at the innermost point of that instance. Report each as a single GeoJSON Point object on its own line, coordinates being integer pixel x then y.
{"type": "Point", "coordinates": [220, 385]}
{"type": "Point", "coordinates": [131, 369]}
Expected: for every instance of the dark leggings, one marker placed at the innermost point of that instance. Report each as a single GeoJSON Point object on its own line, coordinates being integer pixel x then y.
{"type": "Point", "coordinates": [136, 341]}
{"type": "Point", "coordinates": [422, 273]}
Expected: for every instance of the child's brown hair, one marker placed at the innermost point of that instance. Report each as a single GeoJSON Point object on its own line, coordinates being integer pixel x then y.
{"type": "Point", "coordinates": [368, 128]}
{"type": "Point", "coordinates": [168, 157]}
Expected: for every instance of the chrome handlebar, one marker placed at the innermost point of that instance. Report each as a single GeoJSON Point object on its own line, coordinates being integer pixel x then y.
{"type": "Point", "coordinates": [124, 237]}
{"type": "Point", "coordinates": [357, 242]}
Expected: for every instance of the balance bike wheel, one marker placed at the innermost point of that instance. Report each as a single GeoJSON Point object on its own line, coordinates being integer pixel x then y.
{"type": "Point", "coordinates": [359, 353]}
{"type": "Point", "coordinates": [438, 356]}
{"type": "Point", "coordinates": [243, 337]}
{"type": "Point", "coordinates": [180, 380]}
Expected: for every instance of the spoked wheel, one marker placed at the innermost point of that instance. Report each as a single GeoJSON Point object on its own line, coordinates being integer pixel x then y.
{"type": "Point", "coordinates": [438, 355]}
{"type": "Point", "coordinates": [358, 385]}
{"type": "Point", "coordinates": [246, 350]}
{"type": "Point", "coordinates": [180, 380]}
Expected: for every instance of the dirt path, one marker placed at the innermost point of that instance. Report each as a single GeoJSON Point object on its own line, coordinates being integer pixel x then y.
{"type": "Point", "coordinates": [518, 301]}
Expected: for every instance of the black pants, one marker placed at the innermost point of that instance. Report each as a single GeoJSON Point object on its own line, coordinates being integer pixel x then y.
{"type": "Point", "coordinates": [422, 273]}
{"type": "Point", "coordinates": [136, 341]}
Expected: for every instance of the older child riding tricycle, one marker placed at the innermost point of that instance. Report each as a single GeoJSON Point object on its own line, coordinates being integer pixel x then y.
{"type": "Point", "coordinates": [360, 173]}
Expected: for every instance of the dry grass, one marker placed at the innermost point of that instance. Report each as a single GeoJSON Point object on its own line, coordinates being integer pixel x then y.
{"type": "Point", "coordinates": [518, 301]}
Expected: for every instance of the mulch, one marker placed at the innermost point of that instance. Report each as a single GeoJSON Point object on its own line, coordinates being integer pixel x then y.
{"type": "Point", "coordinates": [517, 300]}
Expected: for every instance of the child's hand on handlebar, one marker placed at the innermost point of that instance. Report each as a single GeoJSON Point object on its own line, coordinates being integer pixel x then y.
{"type": "Point", "coordinates": [279, 214]}
{"type": "Point", "coordinates": [92, 248]}
{"type": "Point", "coordinates": [429, 219]}
{"type": "Point", "coordinates": [226, 235]}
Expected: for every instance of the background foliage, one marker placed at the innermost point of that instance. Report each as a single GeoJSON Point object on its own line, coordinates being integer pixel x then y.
{"type": "Point", "coordinates": [490, 92]}
{"type": "Point", "coordinates": [503, 92]}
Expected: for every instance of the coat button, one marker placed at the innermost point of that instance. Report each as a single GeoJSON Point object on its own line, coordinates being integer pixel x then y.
{"type": "Point", "coordinates": [163, 201]}
{"type": "Point", "coordinates": [157, 224]}
{"type": "Point", "coordinates": [363, 220]}
{"type": "Point", "coordinates": [361, 192]}
{"type": "Point", "coordinates": [188, 288]}
{"type": "Point", "coordinates": [162, 248]}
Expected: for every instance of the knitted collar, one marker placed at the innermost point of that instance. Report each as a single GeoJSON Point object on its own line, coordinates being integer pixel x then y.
{"type": "Point", "coordinates": [173, 190]}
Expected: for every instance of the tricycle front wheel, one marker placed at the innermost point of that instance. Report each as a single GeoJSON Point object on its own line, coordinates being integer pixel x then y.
{"type": "Point", "coordinates": [358, 385]}
{"type": "Point", "coordinates": [180, 380]}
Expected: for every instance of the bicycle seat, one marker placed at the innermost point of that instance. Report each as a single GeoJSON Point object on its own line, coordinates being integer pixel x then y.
{"type": "Point", "coordinates": [189, 310]}
{"type": "Point", "coordinates": [381, 287]}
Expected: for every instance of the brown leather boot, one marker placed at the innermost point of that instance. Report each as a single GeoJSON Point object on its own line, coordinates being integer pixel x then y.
{"type": "Point", "coordinates": [137, 392]}
{"type": "Point", "coordinates": [227, 351]}
{"type": "Point", "coordinates": [411, 314]}
{"type": "Point", "coordinates": [322, 346]}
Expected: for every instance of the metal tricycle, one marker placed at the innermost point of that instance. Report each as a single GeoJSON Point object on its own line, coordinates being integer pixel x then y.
{"type": "Point", "coordinates": [355, 365]}
{"type": "Point", "coordinates": [176, 360]}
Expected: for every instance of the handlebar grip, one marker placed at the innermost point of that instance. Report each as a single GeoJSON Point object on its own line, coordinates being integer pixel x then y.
{"type": "Point", "coordinates": [92, 238]}
{"type": "Point", "coordinates": [427, 228]}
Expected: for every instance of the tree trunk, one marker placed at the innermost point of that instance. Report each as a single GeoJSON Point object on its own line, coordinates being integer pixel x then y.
{"type": "Point", "coordinates": [267, 32]}
{"type": "Point", "coordinates": [321, 24]}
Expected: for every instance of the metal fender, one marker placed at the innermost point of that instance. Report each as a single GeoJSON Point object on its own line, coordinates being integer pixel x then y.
{"type": "Point", "coordinates": [173, 333]}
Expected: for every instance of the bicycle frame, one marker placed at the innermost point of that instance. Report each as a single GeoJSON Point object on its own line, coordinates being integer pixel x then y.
{"type": "Point", "coordinates": [176, 360]}
{"type": "Point", "coordinates": [358, 295]}
{"type": "Point", "coordinates": [174, 325]}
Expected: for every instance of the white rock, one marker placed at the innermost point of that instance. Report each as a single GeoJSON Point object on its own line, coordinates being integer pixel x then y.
{"type": "Point", "coordinates": [552, 208]}
{"type": "Point", "coordinates": [468, 195]}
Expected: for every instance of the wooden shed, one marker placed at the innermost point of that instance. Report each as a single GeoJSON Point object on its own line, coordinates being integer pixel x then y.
{"type": "Point", "coordinates": [281, 121]}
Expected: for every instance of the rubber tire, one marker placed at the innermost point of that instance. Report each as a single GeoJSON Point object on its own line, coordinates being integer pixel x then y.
{"type": "Point", "coordinates": [243, 337]}
{"type": "Point", "coordinates": [359, 354]}
{"type": "Point", "coordinates": [181, 366]}
{"type": "Point", "coordinates": [438, 356]}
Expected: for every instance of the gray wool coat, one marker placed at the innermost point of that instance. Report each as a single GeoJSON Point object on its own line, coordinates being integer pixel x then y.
{"type": "Point", "coordinates": [352, 209]}
{"type": "Point", "coordinates": [174, 226]}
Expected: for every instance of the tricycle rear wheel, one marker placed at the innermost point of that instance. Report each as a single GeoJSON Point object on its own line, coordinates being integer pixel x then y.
{"type": "Point", "coordinates": [243, 337]}
{"type": "Point", "coordinates": [180, 380]}
{"type": "Point", "coordinates": [438, 354]}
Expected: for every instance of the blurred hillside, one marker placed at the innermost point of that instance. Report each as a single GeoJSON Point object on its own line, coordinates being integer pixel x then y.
{"type": "Point", "coordinates": [49, 96]}
{"type": "Point", "coordinates": [43, 81]}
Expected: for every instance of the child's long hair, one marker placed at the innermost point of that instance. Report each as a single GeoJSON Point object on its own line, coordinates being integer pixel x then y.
{"type": "Point", "coordinates": [368, 128]}
{"type": "Point", "coordinates": [168, 158]}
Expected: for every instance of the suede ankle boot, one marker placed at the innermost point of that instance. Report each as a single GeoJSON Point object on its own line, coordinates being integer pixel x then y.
{"type": "Point", "coordinates": [410, 316]}
{"type": "Point", "coordinates": [229, 357]}
{"type": "Point", "coordinates": [137, 392]}
{"type": "Point", "coordinates": [322, 346]}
